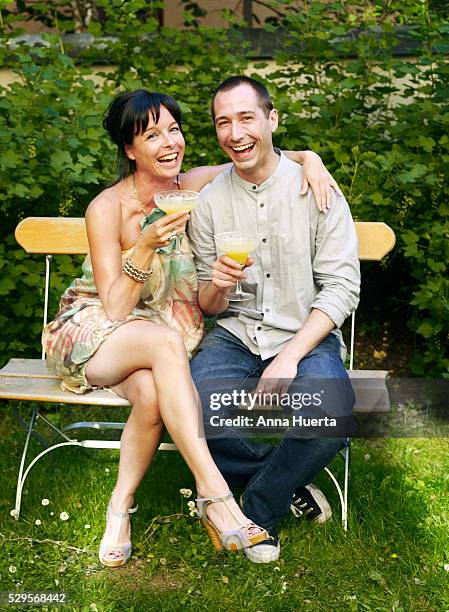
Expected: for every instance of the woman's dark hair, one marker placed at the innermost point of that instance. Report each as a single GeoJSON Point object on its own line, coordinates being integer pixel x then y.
{"type": "Point", "coordinates": [127, 116]}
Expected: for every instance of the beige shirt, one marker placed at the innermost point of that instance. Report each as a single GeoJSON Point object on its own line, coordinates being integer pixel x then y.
{"type": "Point", "coordinates": [306, 259]}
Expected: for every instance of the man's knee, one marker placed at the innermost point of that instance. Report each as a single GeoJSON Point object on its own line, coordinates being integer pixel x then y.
{"type": "Point", "coordinates": [326, 449]}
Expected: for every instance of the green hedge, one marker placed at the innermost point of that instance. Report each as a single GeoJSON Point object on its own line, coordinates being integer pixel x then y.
{"type": "Point", "coordinates": [379, 121]}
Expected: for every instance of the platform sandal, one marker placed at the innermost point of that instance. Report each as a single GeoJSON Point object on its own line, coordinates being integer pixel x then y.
{"type": "Point", "coordinates": [233, 539]}
{"type": "Point", "coordinates": [111, 553]}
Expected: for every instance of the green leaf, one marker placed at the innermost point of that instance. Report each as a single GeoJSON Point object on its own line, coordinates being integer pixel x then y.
{"type": "Point", "coordinates": [415, 173]}
{"type": "Point", "coordinates": [426, 330]}
{"type": "Point", "coordinates": [9, 159]}
{"type": "Point", "coordinates": [6, 285]}
{"type": "Point", "coordinates": [426, 142]}
{"type": "Point", "coordinates": [61, 160]}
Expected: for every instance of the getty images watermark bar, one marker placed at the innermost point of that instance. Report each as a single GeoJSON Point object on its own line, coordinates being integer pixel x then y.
{"type": "Point", "coordinates": [365, 407]}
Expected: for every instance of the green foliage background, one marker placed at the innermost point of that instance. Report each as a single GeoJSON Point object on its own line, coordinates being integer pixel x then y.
{"type": "Point", "coordinates": [379, 121]}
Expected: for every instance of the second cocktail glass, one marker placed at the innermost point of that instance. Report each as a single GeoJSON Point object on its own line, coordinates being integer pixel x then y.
{"type": "Point", "coordinates": [238, 246]}
{"type": "Point", "coordinates": [175, 200]}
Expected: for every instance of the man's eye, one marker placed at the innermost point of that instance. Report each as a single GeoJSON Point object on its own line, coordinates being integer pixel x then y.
{"type": "Point", "coordinates": [247, 118]}
{"type": "Point", "coordinates": [221, 124]}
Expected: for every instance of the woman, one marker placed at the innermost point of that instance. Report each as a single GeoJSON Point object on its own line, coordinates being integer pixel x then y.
{"type": "Point", "coordinates": [131, 322]}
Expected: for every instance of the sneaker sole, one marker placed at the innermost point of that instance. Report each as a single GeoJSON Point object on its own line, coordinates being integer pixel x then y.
{"type": "Point", "coordinates": [257, 556]}
{"type": "Point", "coordinates": [326, 511]}
{"type": "Point", "coordinates": [263, 556]}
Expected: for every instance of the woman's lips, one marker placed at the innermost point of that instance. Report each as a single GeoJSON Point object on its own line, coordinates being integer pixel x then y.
{"type": "Point", "coordinates": [171, 159]}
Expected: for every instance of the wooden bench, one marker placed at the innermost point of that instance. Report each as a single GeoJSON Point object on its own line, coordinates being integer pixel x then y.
{"type": "Point", "coordinates": [29, 380]}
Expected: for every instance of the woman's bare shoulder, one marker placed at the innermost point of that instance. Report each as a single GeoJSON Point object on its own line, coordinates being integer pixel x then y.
{"type": "Point", "coordinates": [106, 202]}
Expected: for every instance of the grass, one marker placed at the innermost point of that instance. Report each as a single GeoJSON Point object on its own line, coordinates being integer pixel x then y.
{"type": "Point", "coordinates": [395, 555]}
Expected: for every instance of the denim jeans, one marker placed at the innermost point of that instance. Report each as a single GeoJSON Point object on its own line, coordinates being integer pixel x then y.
{"type": "Point", "coordinates": [270, 473]}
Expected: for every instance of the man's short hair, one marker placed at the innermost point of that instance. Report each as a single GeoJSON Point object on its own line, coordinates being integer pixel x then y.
{"type": "Point", "coordinates": [263, 97]}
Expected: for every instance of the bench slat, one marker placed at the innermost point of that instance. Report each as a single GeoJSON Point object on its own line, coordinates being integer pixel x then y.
{"type": "Point", "coordinates": [46, 390]}
{"type": "Point", "coordinates": [28, 379]}
{"type": "Point", "coordinates": [376, 239]}
{"type": "Point", "coordinates": [67, 235]}
{"type": "Point", "coordinates": [29, 368]}
{"type": "Point", "coordinates": [53, 235]}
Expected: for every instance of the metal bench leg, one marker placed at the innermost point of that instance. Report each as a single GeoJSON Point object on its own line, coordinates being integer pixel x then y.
{"type": "Point", "coordinates": [340, 494]}
{"type": "Point", "coordinates": [24, 426]}
{"type": "Point", "coordinates": [109, 444]}
{"type": "Point", "coordinates": [20, 479]}
{"type": "Point", "coordinates": [346, 453]}
{"type": "Point", "coordinates": [343, 494]}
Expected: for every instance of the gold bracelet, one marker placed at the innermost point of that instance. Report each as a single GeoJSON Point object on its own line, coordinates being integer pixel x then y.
{"type": "Point", "coordinates": [137, 274]}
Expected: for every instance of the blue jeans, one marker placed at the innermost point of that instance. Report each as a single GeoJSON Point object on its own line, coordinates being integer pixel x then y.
{"type": "Point", "coordinates": [270, 473]}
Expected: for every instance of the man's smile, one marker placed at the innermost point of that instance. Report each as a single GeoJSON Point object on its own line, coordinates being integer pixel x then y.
{"type": "Point", "coordinates": [244, 150]}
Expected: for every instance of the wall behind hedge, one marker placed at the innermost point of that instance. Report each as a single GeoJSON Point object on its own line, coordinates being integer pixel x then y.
{"type": "Point", "coordinates": [386, 143]}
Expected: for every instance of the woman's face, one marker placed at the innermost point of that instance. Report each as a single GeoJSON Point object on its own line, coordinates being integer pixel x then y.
{"type": "Point", "coordinates": [159, 150]}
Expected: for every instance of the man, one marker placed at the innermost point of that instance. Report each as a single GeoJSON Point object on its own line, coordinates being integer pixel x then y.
{"type": "Point", "coordinates": [305, 277]}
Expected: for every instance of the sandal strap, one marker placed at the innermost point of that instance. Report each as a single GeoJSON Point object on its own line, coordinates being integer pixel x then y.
{"type": "Point", "coordinates": [115, 549]}
{"type": "Point", "coordinates": [213, 500]}
{"type": "Point", "coordinates": [206, 501]}
{"type": "Point", "coordinates": [122, 514]}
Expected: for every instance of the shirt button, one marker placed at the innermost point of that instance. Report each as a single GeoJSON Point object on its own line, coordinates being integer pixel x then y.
{"type": "Point", "coordinates": [254, 187]}
{"type": "Point", "coordinates": [259, 328]}
{"type": "Point", "coordinates": [261, 205]}
{"type": "Point", "coordinates": [267, 310]}
{"type": "Point", "coordinates": [264, 239]}
{"type": "Point", "coordinates": [268, 275]}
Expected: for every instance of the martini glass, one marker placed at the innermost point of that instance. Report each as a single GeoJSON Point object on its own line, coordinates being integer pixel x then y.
{"type": "Point", "coordinates": [173, 201]}
{"type": "Point", "coordinates": [237, 246]}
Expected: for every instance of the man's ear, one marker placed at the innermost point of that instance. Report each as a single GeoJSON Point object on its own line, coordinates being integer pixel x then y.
{"type": "Point", "coordinates": [274, 119]}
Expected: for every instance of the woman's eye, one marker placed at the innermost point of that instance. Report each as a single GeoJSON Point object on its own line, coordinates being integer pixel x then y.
{"type": "Point", "coordinates": [175, 129]}
{"type": "Point", "coordinates": [152, 136]}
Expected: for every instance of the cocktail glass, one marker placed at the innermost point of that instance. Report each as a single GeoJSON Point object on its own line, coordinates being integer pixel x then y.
{"type": "Point", "coordinates": [238, 246]}
{"type": "Point", "coordinates": [173, 201]}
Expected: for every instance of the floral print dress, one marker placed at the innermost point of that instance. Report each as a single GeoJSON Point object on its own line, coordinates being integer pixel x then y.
{"type": "Point", "coordinates": [169, 297]}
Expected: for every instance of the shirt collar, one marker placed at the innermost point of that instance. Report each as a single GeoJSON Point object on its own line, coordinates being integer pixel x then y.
{"type": "Point", "coordinates": [271, 180]}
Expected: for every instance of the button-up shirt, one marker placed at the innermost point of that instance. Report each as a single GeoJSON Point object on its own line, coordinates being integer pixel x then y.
{"type": "Point", "coordinates": [305, 259]}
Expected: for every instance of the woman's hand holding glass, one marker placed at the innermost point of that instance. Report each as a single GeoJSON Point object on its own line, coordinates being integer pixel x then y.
{"type": "Point", "coordinates": [173, 200]}
{"type": "Point", "coordinates": [160, 233]}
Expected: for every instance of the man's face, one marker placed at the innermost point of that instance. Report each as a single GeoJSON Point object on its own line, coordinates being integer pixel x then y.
{"type": "Point", "coordinates": [243, 129]}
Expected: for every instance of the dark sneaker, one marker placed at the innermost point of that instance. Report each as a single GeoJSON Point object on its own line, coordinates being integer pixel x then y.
{"type": "Point", "coordinates": [311, 502]}
{"type": "Point", "coordinates": [266, 551]}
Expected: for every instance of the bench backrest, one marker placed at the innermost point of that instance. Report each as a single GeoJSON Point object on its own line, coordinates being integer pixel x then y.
{"type": "Point", "coordinates": [67, 235]}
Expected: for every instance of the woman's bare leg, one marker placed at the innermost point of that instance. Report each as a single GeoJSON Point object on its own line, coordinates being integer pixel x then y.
{"type": "Point", "coordinates": [144, 345]}
{"type": "Point", "coordinates": [139, 443]}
